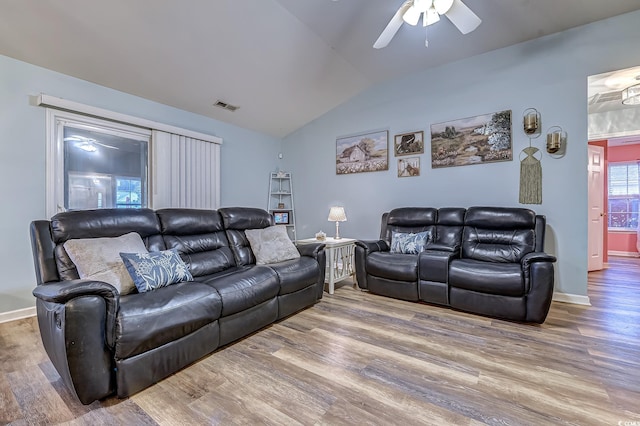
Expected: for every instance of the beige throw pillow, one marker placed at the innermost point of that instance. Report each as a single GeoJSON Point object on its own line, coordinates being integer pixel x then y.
{"type": "Point", "coordinates": [271, 245]}
{"type": "Point", "coordinates": [99, 259]}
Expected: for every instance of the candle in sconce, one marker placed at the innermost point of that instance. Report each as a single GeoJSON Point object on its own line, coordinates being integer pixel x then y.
{"type": "Point", "coordinates": [531, 123]}
{"type": "Point", "coordinates": [554, 140]}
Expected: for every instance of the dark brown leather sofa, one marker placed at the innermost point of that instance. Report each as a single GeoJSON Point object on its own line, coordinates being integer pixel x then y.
{"type": "Point", "coordinates": [484, 260]}
{"type": "Point", "coordinates": [102, 342]}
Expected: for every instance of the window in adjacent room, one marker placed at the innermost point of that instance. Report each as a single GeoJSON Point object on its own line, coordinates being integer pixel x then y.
{"type": "Point", "coordinates": [97, 164]}
{"type": "Point", "coordinates": [624, 196]}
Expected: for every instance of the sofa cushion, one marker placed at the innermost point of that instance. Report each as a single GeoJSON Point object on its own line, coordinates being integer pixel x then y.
{"type": "Point", "coordinates": [498, 234]}
{"type": "Point", "coordinates": [401, 267]}
{"type": "Point", "coordinates": [296, 274]}
{"type": "Point", "coordinates": [504, 279]}
{"type": "Point", "coordinates": [149, 320]}
{"type": "Point", "coordinates": [244, 288]}
{"type": "Point", "coordinates": [238, 219]}
{"type": "Point", "coordinates": [271, 245]}
{"type": "Point", "coordinates": [153, 270]}
{"type": "Point", "coordinates": [409, 243]}
{"type": "Point", "coordinates": [99, 258]}
{"type": "Point", "coordinates": [199, 237]}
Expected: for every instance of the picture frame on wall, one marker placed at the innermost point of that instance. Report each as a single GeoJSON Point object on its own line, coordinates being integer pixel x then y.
{"type": "Point", "coordinates": [409, 166]}
{"type": "Point", "coordinates": [473, 140]}
{"type": "Point", "coordinates": [408, 143]}
{"type": "Point", "coordinates": [281, 217]}
{"type": "Point", "coordinates": [366, 152]}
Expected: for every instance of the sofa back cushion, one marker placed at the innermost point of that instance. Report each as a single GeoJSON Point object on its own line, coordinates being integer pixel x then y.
{"type": "Point", "coordinates": [408, 220]}
{"type": "Point", "coordinates": [80, 224]}
{"type": "Point", "coordinates": [449, 226]}
{"type": "Point", "coordinates": [199, 238]}
{"type": "Point", "coordinates": [236, 220]}
{"type": "Point", "coordinates": [498, 234]}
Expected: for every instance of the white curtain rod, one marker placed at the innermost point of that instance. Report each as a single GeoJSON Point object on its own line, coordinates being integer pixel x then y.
{"type": "Point", "coordinates": [65, 104]}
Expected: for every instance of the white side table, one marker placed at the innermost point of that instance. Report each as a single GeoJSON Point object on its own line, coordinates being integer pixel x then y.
{"type": "Point", "coordinates": [340, 259]}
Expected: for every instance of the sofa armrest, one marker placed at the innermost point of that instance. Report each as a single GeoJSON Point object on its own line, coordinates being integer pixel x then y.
{"type": "Point", "coordinates": [539, 282]}
{"type": "Point", "coordinates": [371, 246]}
{"type": "Point", "coordinates": [363, 249]}
{"type": "Point", "coordinates": [537, 256]}
{"type": "Point", "coordinates": [77, 326]}
{"type": "Point", "coordinates": [443, 247]}
{"type": "Point", "coordinates": [62, 292]}
{"type": "Point", "coordinates": [310, 250]}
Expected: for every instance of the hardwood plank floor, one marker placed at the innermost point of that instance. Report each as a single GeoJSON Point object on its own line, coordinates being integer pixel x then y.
{"type": "Point", "coordinates": [357, 358]}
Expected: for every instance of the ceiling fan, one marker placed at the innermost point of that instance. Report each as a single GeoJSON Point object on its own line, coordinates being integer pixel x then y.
{"type": "Point", "coordinates": [87, 144]}
{"type": "Point", "coordinates": [411, 10]}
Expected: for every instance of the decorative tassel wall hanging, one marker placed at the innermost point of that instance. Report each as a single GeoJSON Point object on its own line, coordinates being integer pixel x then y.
{"type": "Point", "coordinates": [530, 177]}
{"type": "Point", "coordinates": [530, 167]}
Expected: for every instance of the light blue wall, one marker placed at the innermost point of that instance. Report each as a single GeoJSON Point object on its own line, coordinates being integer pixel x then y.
{"type": "Point", "coordinates": [549, 74]}
{"type": "Point", "coordinates": [245, 160]}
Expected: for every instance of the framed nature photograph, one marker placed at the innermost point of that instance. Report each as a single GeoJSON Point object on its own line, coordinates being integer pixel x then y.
{"type": "Point", "coordinates": [409, 167]}
{"type": "Point", "coordinates": [281, 218]}
{"type": "Point", "coordinates": [368, 152]}
{"type": "Point", "coordinates": [474, 140]}
{"type": "Point", "coordinates": [408, 143]}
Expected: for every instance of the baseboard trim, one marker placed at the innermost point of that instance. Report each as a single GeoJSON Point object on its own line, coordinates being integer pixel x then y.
{"type": "Point", "coordinates": [17, 314]}
{"type": "Point", "coordinates": [575, 299]}
{"type": "Point", "coordinates": [623, 253]}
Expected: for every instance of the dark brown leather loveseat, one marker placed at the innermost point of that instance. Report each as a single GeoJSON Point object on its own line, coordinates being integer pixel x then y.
{"type": "Point", "coordinates": [102, 342]}
{"type": "Point", "coordinates": [484, 260]}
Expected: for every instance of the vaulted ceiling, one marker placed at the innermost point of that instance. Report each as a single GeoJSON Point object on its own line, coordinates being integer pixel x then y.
{"type": "Point", "coordinates": [283, 62]}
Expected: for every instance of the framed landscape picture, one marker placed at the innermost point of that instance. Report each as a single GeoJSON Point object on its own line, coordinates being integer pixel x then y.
{"type": "Point", "coordinates": [367, 152]}
{"type": "Point", "coordinates": [408, 143]}
{"type": "Point", "coordinates": [474, 140]}
{"type": "Point", "coordinates": [409, 167]}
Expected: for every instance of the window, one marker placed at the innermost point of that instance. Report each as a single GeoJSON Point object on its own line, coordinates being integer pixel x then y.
{"type": "Point", "coordinates": [624, 196]}
{"type": "Point", "coordinates": [98, 164]}
{"type": "Point", "coordinates": [98, 158]}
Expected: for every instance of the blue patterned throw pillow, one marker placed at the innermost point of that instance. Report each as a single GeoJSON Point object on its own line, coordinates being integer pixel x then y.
{"type": "Point", "coordinates": [156, 269]}
{"type": "Point", "coordinates": [409, 243]}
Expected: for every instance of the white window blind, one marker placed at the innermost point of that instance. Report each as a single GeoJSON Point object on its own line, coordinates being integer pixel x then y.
{"type": "Point", "coordinates": [186, 172]}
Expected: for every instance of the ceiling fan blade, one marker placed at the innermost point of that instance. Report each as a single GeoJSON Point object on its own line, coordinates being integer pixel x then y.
{"type": "Point", "coordinates": [392, 27]}
{"type": "Point", "coordinates": [463, 17]}
{"type": "Point", "coordinates": [105, 145]}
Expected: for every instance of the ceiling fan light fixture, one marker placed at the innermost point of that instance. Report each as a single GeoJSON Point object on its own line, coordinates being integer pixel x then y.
{"type": "Point", "coordinates": [412, 15]}
{"type": "Point", "coordinates": [631, 95]}
{"type": "Point", "coordinates": [431, 16]}
{"type": "Point", "coordinates": [88, 147]}
{"type": "Point", "coordinates": [442, 6]}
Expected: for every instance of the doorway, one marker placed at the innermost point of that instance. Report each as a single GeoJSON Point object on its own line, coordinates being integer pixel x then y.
{"type": "Point", "coordinates": [614, 127]}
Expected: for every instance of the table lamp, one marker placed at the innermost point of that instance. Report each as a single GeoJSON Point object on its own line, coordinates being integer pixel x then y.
{"type": "Point", "coordinates": [336, 214]}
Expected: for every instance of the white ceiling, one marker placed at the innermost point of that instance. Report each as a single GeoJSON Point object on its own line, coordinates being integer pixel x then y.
{"type": "Point", "coordinates": [283, 62]}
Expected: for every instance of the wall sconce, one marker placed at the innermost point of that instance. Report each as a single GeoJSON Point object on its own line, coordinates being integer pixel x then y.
{"type": "Point", "coordinates": [556, 141]}
{"type": "Point", "coordinates": [337, 215]}
{"type": "Point", "coordinates": [531, 122]}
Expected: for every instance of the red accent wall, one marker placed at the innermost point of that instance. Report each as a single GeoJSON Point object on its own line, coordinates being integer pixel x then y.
{"type": "Point", "coordinates": [620, 240]}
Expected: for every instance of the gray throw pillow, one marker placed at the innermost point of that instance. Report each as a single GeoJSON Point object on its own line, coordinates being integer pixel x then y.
{"type": "Point", "coordinates": [271, 245]}
{"type": "Point", "coordinates": [99, 258]}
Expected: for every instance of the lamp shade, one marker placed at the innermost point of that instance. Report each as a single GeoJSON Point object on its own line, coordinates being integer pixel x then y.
{"type": "Point", "coordinates": [336, 214]}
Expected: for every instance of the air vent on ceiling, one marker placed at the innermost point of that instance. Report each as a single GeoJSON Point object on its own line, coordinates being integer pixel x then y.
{"type": "Point", "coordinates": [224, 105]}
{"type": "Point", "coordinates": [599, 98]}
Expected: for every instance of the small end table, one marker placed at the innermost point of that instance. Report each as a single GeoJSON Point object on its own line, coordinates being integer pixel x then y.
{"type": "Point", "coordinates": [340, 259]}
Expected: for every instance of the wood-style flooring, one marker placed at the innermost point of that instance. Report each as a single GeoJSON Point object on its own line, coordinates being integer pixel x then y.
{"type": "Point", "coordinates": [357, 358]}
